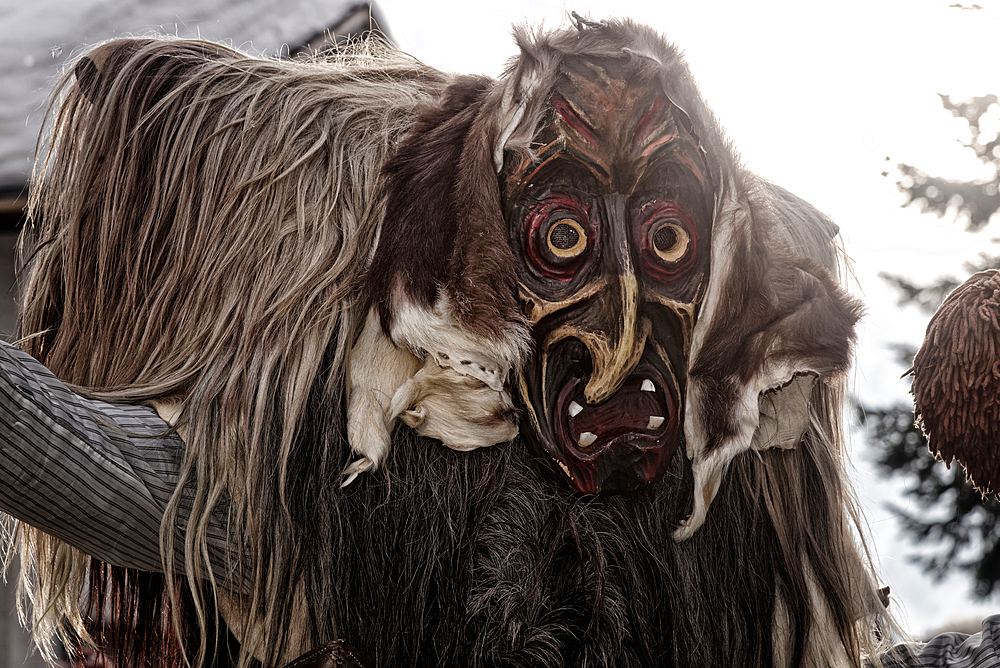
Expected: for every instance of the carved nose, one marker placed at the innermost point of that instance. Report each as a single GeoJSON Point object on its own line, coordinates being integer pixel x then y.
{"type": "Point", "coordinates": [616, 349]}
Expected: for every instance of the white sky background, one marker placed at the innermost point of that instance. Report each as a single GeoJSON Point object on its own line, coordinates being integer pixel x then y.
{"type": "Point", "coordinates": [815, 96]}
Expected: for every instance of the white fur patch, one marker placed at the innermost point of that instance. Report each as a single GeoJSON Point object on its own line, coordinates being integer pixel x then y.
{"type": "Point", "coordinates": [377, 369]}
{"type": "Point", "coordinates": [731, 214]}
{"type": "Point", "coordinates": [459, 410]}
{"type": "Point", "coordinates": [775, 417]}
{"type": "Point", "coordinates": [436, 333]}
{"type": "Point", "coordinates": [514, 106]}
{"type": "Point", "coordinates": [709, 469]}
{"type": "Point", "coordinates": [516, 114]}
{"type": "Point", "coordinates": [455, 394]}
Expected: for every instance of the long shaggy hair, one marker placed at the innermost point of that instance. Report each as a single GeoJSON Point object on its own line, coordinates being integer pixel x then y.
{"type": "Point", "coordinates": [202, 222]}
{"type": "Point", "coordinates": [202, 219]}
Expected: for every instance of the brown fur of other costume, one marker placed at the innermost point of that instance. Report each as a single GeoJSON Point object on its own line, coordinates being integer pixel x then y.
{"type": "Point", "coordinates": [205, 222]}
{"type": "Point", "coordinates": [955, 380]}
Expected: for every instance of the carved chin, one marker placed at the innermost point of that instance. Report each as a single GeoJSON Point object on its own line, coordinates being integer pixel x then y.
{"type": "Point", "coordinates": [619, 445]}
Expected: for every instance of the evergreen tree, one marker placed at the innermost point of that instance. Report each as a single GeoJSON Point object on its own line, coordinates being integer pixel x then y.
{"type": "Point", "coordinates": [963, 527]}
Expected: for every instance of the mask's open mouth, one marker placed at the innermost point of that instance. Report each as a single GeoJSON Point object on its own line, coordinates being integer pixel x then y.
{"type": "Point", "coordinates": [621, 444]}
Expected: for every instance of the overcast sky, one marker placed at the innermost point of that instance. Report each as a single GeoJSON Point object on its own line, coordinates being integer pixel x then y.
{"type": "Point", "coordinates": [816, 97]}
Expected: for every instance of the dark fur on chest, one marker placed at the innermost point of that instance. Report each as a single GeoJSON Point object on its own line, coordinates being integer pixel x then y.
{"type": "Point", "coordinates": [476, 559]}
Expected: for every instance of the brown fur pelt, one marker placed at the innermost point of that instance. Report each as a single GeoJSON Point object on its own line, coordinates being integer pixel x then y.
{"type": "Point", "coordinates": [203, 223]}
{"type": "Point", "coordinates": [956, 380]}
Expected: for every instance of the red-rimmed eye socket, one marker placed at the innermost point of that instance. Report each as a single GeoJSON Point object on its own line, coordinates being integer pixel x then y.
{"type": "Point", "coordinates": [558, 237]}
{"type": "Point", "coordinates": [669, 241]}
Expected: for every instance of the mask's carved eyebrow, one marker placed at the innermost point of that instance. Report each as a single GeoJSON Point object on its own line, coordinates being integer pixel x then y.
{"type": "Point", "coordinates": [575, 120]}
{"type": "Point", "coordinates": [563, 151]}
{"type": "Point", "coordinates": [656, 123]}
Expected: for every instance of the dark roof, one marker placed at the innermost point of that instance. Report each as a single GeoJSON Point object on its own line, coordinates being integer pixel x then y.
{"type": "Point", "coordinates": [40, 36]}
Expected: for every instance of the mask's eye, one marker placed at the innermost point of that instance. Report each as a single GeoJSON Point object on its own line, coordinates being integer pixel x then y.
{"type": "Point", "coordinates": [559, 237]}
{"type": "Point", "coordinates": [566, 238]}
{"type": "Point", "coordinates": [670, 241]}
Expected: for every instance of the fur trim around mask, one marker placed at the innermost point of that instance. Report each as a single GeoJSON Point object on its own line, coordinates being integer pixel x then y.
{"type": "Point", "coordinates": [774, 321]}
{"type": "Point", "coordinates": [441, 282]}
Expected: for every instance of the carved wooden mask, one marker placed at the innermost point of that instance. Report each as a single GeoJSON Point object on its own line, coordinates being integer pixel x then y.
{"type": "Point", "coordinates": [611, 224]}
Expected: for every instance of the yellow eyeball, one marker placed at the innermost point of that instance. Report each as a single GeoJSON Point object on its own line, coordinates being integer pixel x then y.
{"type": "Point", "coordinates": [566, 238]}
{"type": "Point", "coordinates": [670, 241]}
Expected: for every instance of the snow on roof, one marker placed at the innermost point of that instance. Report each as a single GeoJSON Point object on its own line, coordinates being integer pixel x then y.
{"type": "Point", "coordinates": [41, 35]}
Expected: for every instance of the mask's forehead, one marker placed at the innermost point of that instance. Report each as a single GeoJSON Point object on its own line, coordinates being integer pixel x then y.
{"type": "Point", "coordinates": [611, 128]}
{"type": "Point", "coordinates": [615, 117]}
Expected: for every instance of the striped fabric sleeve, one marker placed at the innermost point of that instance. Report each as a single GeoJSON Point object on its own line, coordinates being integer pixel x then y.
{"type": "Point", "coordinates": [953, 650]}
{"type": "Point", "coordinates": [95, 475]}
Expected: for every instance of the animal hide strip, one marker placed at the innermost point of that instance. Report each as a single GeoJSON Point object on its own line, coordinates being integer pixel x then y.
{"type": "Point", "coordinates": [322, 270]}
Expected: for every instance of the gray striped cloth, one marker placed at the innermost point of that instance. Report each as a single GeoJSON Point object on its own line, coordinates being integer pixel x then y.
{"type": "Point", "coordinates": [954, 650]}
{"type": "Point", "coordinates": [95, 475]}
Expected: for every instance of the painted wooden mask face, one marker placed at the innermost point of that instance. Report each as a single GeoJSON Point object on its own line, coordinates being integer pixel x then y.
{"type": "Point", "coordinates": [612, 227]}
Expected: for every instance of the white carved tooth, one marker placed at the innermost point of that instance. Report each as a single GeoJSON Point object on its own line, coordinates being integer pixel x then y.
{"type": "Point", "coordinates": [574, 409]}
{"type": "Point", "coordinates": [654, 421]}
{"type": "Point", "coordinates": [647, 386]}
{"type": "Point", "coordinates": [587, 438]}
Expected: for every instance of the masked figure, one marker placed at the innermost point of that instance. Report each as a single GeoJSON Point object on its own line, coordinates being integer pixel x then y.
{"type": "Point", "coordinates": [611, 226]}
{"type": "Point", "coordinates": [318, 273]}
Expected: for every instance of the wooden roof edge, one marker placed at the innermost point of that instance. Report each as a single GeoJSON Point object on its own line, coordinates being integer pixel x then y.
{"type": "Point", "coordinates": [359, 21]}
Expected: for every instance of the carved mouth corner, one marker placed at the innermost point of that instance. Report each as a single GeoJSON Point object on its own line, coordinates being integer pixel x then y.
{"type": "Point", "coordinates": [621, 444]}
{"type": "Point", "coordinates": [641, 408]}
